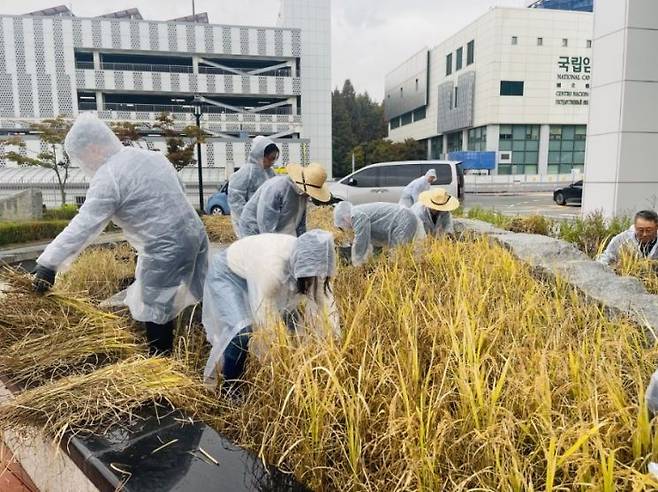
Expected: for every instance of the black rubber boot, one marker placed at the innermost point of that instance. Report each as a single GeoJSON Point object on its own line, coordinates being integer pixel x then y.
{"type": "Point", "coordinates": [160, 338]}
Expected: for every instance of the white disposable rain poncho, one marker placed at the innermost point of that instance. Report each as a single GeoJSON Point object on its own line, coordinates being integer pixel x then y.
{"type": "Point", "coordinates": [255, 279]}
{"type": "Point", "coordinates": [624, 240]}
{"type": "Point", "coordinates": [377, 224]}
{"type": "Point", "coordinates": [244, 183]}
{"type": "Point", "coordinates": [443, 224]}
{"type": "Point", "coordinates": [278, 206]}
{"type": "Point", "coordinates": [140, 192]}
{"type": "Point", "coordinates": [416, 187]}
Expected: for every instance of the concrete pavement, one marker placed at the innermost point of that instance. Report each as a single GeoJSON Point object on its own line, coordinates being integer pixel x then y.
{"type": "Point", "coordinates": [530, 203]}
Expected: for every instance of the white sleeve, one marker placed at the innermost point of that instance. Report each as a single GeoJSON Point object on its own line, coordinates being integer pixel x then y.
{"type": "Point", "coordinates": [611, 253]}
{"type": "Point", "coordinates": [100, 205]}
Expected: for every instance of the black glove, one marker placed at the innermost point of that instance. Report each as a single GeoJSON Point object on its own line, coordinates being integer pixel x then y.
{"type": "Point", "coordinates": [44, 278]}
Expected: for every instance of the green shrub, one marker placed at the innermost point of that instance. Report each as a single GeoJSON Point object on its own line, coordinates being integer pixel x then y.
{"type": "Point", "coordinates": [491, 216]}
{"type": "Point", "coordinates": [65, 212]}
{"type": "Point", "coordinates": [531, 224]}
{"type": "Point", "coordinates": [24, 232]}
{"type": "Point", "coordinates": [592, 233]}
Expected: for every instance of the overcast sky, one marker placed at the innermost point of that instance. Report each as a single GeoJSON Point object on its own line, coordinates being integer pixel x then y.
{"type": "Point", "coordinates": [369, 37]}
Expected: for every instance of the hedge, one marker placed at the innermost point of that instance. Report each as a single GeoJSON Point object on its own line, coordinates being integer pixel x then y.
{"type": "Point", "coordinates": [24, 232]}
{"type": "Point", "coordinates": [65, 212]}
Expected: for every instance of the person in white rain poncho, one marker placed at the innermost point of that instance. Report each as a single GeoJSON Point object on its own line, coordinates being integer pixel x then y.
{"type": "Point", "coordinates": [139, 191]}
{"type": "Point", "coordinates": [259, 279]}
{"type": "Point", "coordinates": [279, 205]}
{"type": "Point", "coordinates": [411, 192]}
{"type": "Point", "coordinates": [433, 209]}
{"type": "Point", "coordinates": [640, 239]}
{"type": "Point", "coordinates": [377, 224]}
{"type": "Point", "coordinates": [244, 183]}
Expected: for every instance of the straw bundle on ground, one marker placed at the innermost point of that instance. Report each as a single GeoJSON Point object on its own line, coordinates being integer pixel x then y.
{"type": "Point", "coordinates": [46, 337]}
{"type": "Point", "coordinates": [219, 228]}
{"type": "Point", "coordinates": [109, 396]}
{"type": "Point", "coordinates": [99, 272]}
{"type": "Point", "coordinates": [457, 370]}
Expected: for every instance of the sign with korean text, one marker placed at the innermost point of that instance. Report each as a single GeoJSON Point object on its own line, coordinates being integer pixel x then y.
{"type": "Point", "coordinates": [573, 79]}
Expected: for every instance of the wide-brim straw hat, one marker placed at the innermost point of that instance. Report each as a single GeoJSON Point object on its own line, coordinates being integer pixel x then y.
{"type": "Point", "coordinates": [311, 180]}
{"type": "Point", "coordinates": [438, 199]}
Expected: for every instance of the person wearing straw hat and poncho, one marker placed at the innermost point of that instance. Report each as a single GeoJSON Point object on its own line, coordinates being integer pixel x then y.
{"type": "Point", "coordinates": [412, 191]}
{"type": "Point", "coordinates": [256, 281]}
{"type": "Point", "coordinates": [433, 209]}
{"type": "Point", "coordinates": [279, 205]}
{"type": "Point", "coordinates": [377, 225]}
{"type": "Point", "coordinates": [244, 183]}
{"type": "Point", "coordinates": [140, 192]}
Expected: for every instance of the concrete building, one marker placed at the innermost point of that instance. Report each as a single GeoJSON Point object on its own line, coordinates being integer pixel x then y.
{"type": "Point", "coordinates": [515, 81]}
{"type": "Point", "coordinates": [621, 175]}
{"type": "Point", "coordinates": [254, 80]}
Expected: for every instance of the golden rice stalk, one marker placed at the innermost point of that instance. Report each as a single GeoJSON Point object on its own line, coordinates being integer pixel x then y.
{"type": "Point", "coordinates": [99, 273]}
{"type": "Point", "coordinates": [219, 228]}
{"type": "Point", "coordinates": [646, 270]}
{"type": "Point", "coordinates": [109, 396]}
{"type": "Point", "coordinates": [49, 336]}
{"type": "Point", "coordinates": [457, 370]}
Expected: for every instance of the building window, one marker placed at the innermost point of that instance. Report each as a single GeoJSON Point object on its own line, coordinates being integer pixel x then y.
{"type": "Point", "coordinates": [455, 141]}
{"type": "Point", "coordinates": [511, 88]}
{"type": "Point", "coordinates": [523, 142]}
{"type": "Point", "coordinates": [470, 52]}
{"type": "Point", "coordinates": [565, 42]}
{"type": "Point", "coordinates": [449, 64]}
{"type": "Point", "coordinates": [436, 147]}
{"type": "Point", "coordinates": [588, 43]}
{"type": "Point", "coordinates": [394, 123]}
{"type": "Point", "coordinates": [515, 40]}
{"type": "Point", "coordinates": [405, 119]}
{"type": "Point", "coordinates": [566, 148]}
{"type": "Point", "coordinates": [420, 113]}
{"type": "Point", "coordinates": [458, 59]}
{"type": "Point", "coordinates": [456, 96]}
{"type": "Point", "coordinates": [477, 139]}
{"type": "Point", "coordinates": [540, 41]}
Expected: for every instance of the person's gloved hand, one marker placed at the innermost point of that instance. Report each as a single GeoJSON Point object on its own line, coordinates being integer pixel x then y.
{"type": "Point", "coordinates": [44, 278]}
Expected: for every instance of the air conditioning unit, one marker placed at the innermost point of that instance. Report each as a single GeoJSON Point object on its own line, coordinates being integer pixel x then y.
{"type": "Point", "coordinates": [505, 157]}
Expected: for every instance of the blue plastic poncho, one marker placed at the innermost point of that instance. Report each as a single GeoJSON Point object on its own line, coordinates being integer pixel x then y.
{"type": "Point", "coordinates": [244, 183]}
{"type": "Point", "coordinates": [255, 279]}
{"type": "Point", "coordinates": [377, 224]}
{"type": "Point", "coordinates": [140, 192]}
{"type": "Point", "coordinates": [416, 187]}
{"type": "Point", "coordinates": [443, 224]}
{"type": "Point", "coordinates": [278, 206]}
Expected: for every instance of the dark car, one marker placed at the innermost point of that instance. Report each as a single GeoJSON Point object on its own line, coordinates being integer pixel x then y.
{"type": "Point", "coordinates": [572, 194]}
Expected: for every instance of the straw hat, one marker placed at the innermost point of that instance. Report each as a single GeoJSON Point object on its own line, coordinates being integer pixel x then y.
{"type": "Point", "coordinates": [311, 180]}
{"type": "Point", "coordinates": [438, 199]}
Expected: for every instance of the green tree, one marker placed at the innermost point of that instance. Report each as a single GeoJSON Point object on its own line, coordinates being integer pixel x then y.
{"type": "Point", "coordinates": [357, 119]}
{"type": "Point", "coordinates": [384, 150]}
{"type": "Point", "coordinates": [180, 143]}
{"type": "Point", "coordinates": [126, 131]}
{"type": "Point", "coordinates": [51, 133]}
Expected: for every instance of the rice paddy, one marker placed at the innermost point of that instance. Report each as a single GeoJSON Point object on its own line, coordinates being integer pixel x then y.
{"type": "Point", "coordinates": [457, 369]}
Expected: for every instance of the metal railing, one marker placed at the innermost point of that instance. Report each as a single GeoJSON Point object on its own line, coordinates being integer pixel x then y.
{"type": "Point", "coordinates": [145, 67]}
{"type": "Point", "coordinates": [169, 108]}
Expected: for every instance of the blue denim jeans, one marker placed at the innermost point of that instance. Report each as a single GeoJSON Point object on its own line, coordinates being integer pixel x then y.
{"type": "Point", "coordinates": [235, 355]}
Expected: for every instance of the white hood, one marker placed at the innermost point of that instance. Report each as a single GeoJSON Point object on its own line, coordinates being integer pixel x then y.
{"type": "Point", "coordinates": [90, 143]}
{"type": "Point", "coordinates": [257, 152]}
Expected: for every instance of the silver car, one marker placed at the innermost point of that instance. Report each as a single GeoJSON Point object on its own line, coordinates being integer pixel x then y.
{"type": "Point", "coordinates": [384, 181]}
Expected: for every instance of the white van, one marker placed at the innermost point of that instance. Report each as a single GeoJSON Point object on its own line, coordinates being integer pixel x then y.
{"type": "Point", "coordinates": [384, 181]}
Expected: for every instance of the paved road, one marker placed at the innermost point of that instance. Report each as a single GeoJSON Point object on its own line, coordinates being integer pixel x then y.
{"type": "Point", "coordinates": [522, 204]}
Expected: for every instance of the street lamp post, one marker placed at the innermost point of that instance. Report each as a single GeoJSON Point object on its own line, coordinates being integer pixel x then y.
{"type": "Point", "coordinates": [196, 102]}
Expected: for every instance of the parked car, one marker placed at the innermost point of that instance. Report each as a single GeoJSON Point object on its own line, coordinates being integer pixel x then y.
{"type": "Point", "coordinates": [572, 194]}
{"type": "Point", "coordinates": [217, 204]}
{"type": "Point", "coordinates": [384, 181]}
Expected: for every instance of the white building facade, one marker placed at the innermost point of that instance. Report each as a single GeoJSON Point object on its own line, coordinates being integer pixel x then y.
{"type": "Point", "coordinates": [516, 81]}
{"type": "Point", "coordinates": [254, 80]}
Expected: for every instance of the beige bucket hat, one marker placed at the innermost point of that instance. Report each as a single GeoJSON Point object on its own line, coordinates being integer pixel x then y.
{"type": "Point", "coordinates": [438, 199]}
{"type": "Point", "coordinates": [311, 180]}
